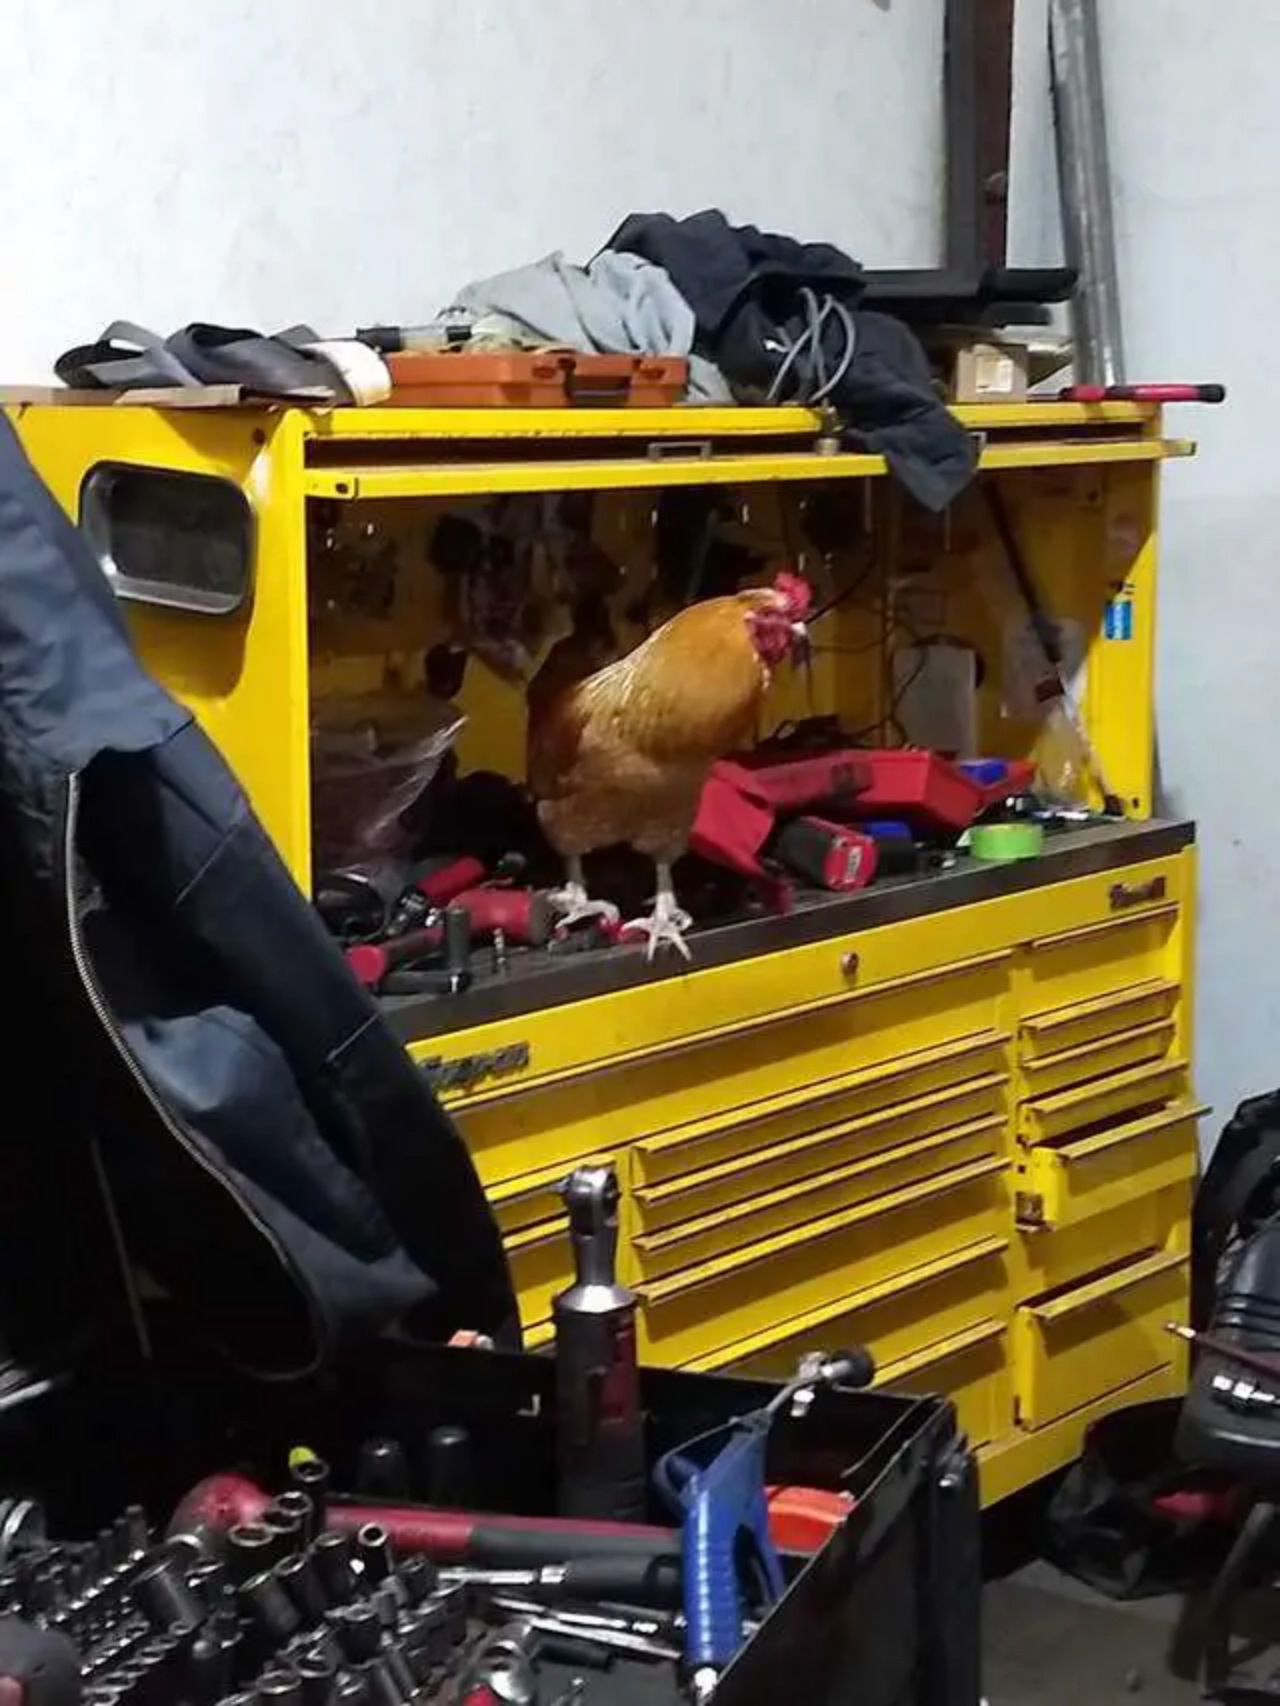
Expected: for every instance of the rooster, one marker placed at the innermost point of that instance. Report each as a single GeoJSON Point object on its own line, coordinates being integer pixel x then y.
{"type": "Point", "coordinates": [620, 755]}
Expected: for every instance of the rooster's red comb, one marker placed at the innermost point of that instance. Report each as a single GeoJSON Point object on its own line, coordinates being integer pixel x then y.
{"type": "Point", "coordinates": [795, 593]}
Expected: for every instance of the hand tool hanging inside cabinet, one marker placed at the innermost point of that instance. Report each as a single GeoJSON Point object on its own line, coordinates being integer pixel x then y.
{"type": "Point", "coordinates": [1052, 691]}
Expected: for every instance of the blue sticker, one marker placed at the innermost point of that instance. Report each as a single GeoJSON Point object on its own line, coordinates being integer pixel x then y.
{"type": "Point", "coordinates": [1117, 623]}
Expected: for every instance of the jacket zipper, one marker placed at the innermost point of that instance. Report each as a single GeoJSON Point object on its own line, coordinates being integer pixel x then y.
{"type": "Point", "coordinates": [106, 1019]}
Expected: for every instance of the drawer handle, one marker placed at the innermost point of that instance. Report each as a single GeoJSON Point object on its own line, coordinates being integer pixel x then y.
{"type": "Point", "coordinates": [829, 1090]}
{"type": "Point", "coordinates": [942, 1350]}
{"type": "Point", "coordinates": [1081, 1095]}
{"type": "Point", "coordinates": [800, 1326]}
{"type": "Point", "coordinates": [1110, 1285]}
{"type": "Point", "coordinates": [650, 1196]}
{"type": "Point", "coordinates": [1123, 897]}
{"type": "Point", "coordinates": [621, 1059]}
{"type": "Point", "coordinates": [1133, 995]}
{"type": "Point", "coordinates": [1085, 1148]}
{"type": "Point", "coordinates": [1047, 1063]}
{"type": "Point", "coordinates": [535, 1237]}
{"type": "Point", "coordinates": [1086, 931]}
{"type": "Point", "coordinates": [815, 1182]}
{"type": "Point", "coordinates": [693, 1279]}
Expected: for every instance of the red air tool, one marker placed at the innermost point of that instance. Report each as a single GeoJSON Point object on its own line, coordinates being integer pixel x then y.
{"type": "Point", "coordinates": [522, 915]}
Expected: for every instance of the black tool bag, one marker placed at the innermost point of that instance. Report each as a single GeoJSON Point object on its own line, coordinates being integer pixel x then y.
{"type": "Point", "coordinates": [1128, 1518]}
{"type": "Point", "coordinates": [199, 1097]}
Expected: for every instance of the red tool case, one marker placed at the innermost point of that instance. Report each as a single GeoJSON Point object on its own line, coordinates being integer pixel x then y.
{"type": "Point", "coordinates": [932, 793]}
{"type": "Point", "coordinates": [551, 379]}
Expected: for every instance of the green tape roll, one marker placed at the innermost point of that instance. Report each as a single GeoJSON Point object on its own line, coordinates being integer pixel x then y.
{"type": "Point", "coordinates": [998, 843]}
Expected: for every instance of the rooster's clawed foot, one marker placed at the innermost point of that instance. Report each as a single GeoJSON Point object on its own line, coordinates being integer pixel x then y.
{"type": "Point", "coordinates": [665, 926]}
{"type": "Point", "coordinates": [573, 905]}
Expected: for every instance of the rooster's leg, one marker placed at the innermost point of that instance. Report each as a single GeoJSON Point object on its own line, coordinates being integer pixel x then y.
{"type": "Point", "coordinates": [667, 922]}
{"type": "Point", "coordinates": [573, 904]}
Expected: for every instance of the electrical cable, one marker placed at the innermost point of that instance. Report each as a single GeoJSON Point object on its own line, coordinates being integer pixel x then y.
{"type": "Point", "coordinates": [845, 592]}
{"type": "Point", "coordinates": [806, 353]}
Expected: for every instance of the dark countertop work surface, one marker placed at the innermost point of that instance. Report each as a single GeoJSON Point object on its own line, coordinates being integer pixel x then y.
{"type": "Point", "coordinates": [538, 980]}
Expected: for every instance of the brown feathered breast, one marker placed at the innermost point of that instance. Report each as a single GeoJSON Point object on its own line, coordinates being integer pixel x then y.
{"type": "Point", "coordinates": [622, 756]}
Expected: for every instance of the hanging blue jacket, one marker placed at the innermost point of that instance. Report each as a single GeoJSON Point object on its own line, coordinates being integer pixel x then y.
{"type": "Point", "coordinates": [200, 1100]}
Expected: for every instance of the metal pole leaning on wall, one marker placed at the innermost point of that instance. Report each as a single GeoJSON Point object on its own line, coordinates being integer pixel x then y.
{"type": "Point", "coordinates": [1084, 177]}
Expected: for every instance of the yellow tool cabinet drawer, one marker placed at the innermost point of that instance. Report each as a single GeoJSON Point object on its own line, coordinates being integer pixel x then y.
{"type": "Point", "coordinates": [1045, 1258]}
{"type": "Point", "coordinates": [509, 1132]}
{"type": "Point", "coordinates": [1045, 1119]}
{"type": "Point", "coordinates": [953, 1295]}
{"type": "Point", "coordinates": [1072, 1348]}
{"type": "Point", "coordinates": [687, 1242]}
{"type": "Point", "coordinates": [835, 1119]}
{"type": "Point", "coordinates": [1100, 959]}
{"type": "Point", "coordinates": [700, 1312]}
{"type": "Point", "coordinates": [971, 1368]}
{"type": "Point", "coordinates": [1110, 1169]}
{"type": "Point", "coordinates": [1063, 1031]}
{"type": "Point", "coordinates": [1048, 1074]}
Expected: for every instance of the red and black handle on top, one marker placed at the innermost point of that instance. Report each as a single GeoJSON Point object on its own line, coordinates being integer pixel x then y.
{"type": "Point", "coordinates": [1149, 393]}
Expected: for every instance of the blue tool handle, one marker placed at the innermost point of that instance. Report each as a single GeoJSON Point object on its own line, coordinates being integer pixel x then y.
{"type": "Point", "coordinates": [712, 1604]}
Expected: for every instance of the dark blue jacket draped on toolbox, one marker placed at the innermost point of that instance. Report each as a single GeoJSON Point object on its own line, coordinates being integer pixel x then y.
{"type": "Point", "coordinates": [194, 1079]}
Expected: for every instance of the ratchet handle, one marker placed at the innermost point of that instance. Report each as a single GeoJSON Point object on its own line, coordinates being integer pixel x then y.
{"type": "Point", "coordinates": [1143, 394]}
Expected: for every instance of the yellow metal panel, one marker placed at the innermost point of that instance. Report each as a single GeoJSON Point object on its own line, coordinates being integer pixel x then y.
{"type": "Point", "coordinates": [454, 479]}
{"type": "Point", "coordinates": [1097, 1337]}
{"type": "Point", "coordinates": [1108, 1169]}
{"type": "Point", "coordinates": [446, 479]}
{"type": "Point", "coordinates": [687, 420]}
{"type": "Point", "coordinates": [244, 676]}
{"type": "Point", "coordinates": [733, 1067]}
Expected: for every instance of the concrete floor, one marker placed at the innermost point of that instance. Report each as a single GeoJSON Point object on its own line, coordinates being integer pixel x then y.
{"type": "Point", "coordinates": [1051, 1641]}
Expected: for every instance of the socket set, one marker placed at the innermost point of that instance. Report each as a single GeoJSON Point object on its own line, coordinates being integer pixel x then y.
{"type": "Point", "coordinates": [286, 1611]}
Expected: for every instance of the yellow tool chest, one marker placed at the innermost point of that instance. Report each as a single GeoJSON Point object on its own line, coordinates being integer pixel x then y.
{"type": "Point", "coordinates": [951, 1116]}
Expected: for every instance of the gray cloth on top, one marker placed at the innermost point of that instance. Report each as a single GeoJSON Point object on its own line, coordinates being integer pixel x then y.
{"type": "Point", "coordinates": [616, 305]}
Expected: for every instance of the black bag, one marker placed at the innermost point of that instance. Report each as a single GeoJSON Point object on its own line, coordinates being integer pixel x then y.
{"type": "Point", "coordinates": [1130, 1520]}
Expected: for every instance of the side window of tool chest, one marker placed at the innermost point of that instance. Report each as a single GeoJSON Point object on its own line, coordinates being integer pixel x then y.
{"type": "Point", "coordinates": [184, 541]}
